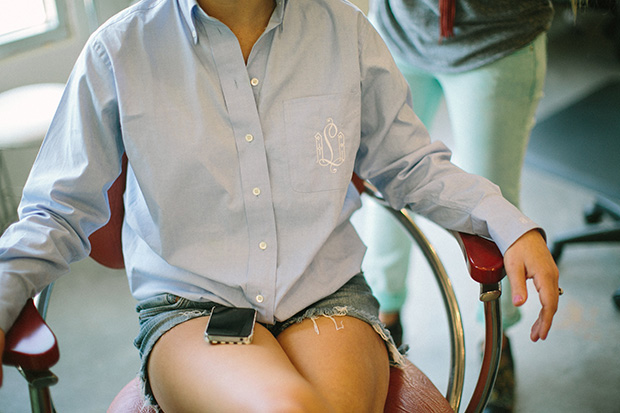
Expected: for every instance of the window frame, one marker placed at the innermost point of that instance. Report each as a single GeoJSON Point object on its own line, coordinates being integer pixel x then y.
{"type": "Point", "coordinates": [33, 38]}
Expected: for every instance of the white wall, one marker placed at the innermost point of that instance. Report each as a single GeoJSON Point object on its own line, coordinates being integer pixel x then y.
{"type": "Point", "coordinates": [53, 62]}
{"type": "Point", "coordinates": [50, 63]}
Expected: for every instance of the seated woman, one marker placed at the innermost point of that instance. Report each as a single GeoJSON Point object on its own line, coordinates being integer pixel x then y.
{"type": "Point", "coordinates": [243, 121]}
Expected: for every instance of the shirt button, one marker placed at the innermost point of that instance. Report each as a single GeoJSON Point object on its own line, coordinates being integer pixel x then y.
{"type": "Point", "coordinates": [256, 191]}
{"type": "Point", "coordinates": [249, 137]}
{"type": "Point", "coordinates": [262, 245]}
{"type": "Point", "coordinates": [260, 298]}
{"type": "Point", "coordinates": [254, 81]}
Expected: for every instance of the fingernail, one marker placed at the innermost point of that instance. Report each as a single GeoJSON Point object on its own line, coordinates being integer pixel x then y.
{"type": "Point", "coordinates": [517, 299]}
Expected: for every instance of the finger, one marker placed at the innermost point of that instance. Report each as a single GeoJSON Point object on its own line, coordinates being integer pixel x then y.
{"type": "Point", "coordinates": [540, 329]}
{"type": "Point", "coordinates": [517, 278]}
{"type": "Point", "coordinates": [549, 299]}
{"type": "Point", "coordinates": [535, 333]}
{"type": "Point", "coordinates": [549, 296]}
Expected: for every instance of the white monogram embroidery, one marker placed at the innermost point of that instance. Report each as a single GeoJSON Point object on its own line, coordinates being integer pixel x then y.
{"type": "Point", "coordinates": [326, 145]}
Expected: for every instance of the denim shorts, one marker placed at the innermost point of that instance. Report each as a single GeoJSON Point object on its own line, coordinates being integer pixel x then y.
{"type": "Point", "coordinates": [161, 313]}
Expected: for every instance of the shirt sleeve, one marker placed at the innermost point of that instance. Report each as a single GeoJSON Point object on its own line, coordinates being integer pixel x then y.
{"type": "Point", "coordinates": [397, 156]}
{"type": "Point", "coordinates": [65, 196]}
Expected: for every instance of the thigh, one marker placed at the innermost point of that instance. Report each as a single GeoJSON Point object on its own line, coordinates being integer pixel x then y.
{"type": "Point", "coordinates": [189, 375]}
{"type": "Point", "coordinates": [343, 358]}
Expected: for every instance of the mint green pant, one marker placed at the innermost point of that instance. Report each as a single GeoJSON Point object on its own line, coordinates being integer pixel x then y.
{"type": "Point", "coordinates": [491, 112]}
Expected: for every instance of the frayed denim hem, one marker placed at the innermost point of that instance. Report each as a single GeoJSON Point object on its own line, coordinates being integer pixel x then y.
{"type": "Point", "coordinates": [396, 358]}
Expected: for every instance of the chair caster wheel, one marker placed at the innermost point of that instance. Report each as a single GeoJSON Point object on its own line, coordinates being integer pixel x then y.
{"type": "Point", "coordinates": [593, 214]}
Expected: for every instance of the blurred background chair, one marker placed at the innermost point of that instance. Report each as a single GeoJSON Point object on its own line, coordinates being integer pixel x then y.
{"type": "Point", "coordinates": [32, 347]}
{"type": "Point", "coordinates": [25, 115]}
{"type": "Point", "coordinates": [582, 144]}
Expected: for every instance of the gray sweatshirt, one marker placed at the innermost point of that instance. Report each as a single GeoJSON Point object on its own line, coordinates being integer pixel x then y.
{"type": "Point", "coordinates": [484, 30]}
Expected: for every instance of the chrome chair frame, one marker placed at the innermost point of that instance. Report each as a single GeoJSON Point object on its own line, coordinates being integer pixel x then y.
{"type": "Point", "coordinates": [489, 295]}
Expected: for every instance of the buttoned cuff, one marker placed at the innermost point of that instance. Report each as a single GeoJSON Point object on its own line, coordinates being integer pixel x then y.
{"type": "Point", "coordinates": [502, 221]}
{"type": "Point", "coordinates": [13, 296]}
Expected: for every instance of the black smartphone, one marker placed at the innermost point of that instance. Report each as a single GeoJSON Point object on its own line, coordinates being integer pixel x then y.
{"type": "Point", "coordinates": [229, 325]}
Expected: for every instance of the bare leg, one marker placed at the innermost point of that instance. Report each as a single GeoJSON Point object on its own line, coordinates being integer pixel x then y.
{"type": "Point", "coordinates": [335, 370]}
{"type": "Point", "coordinates": [189, 375]}
{"type": "Point", "coordinates": [344, 359]}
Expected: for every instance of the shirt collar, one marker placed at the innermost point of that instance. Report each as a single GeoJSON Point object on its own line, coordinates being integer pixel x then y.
{"type": "Point", "coordinates": [189, 7]}
{"type": "Point", "coordinates": [278, 13]}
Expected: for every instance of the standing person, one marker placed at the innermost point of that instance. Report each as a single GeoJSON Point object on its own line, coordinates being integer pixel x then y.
{"type": "Point", "coordinates": [243, 122]}
{"type": "Point", "coordinates": [488, 59]}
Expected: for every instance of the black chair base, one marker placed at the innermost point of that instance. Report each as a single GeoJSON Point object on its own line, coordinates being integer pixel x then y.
{"type": "Point", "coordinates": [595, 231]}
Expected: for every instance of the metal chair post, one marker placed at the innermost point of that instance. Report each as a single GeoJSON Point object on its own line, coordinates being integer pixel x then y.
{"type": "Point", "coordinates": [492, 348]}
{"type": "Point", "coordinates": [39, 383]}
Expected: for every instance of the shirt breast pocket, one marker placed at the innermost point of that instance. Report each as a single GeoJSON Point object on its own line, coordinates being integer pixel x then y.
{"type": "Point", "coordinates": [322, 138]}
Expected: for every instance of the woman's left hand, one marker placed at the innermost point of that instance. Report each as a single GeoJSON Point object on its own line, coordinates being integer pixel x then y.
{"type": "Point", "coordinates": [529, 258]}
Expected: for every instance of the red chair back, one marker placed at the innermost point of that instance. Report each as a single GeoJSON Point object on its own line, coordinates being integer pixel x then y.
{"type": "Point", "coordinates": [105, 243]}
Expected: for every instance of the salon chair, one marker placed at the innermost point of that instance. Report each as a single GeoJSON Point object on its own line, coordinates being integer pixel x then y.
{"type": "Point", "coordinates": [32, 347]}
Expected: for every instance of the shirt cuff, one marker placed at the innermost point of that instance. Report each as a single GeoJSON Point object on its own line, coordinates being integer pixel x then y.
{"type": "Point", "coordinates": [502, 221]}
{"type": "Point", "coordinates": [12, 299]}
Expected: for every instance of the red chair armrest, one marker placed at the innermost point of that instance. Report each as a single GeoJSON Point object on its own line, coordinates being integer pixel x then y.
{"type": "Point", "coordinates": [30, 343]}
{"type": "Point", "coordinates": [484, 260]}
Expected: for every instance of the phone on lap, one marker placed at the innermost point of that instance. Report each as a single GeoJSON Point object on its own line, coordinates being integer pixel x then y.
{"type": "Point", "coordinates": [228, 325]}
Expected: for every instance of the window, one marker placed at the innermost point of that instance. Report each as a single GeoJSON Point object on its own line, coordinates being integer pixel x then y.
{"type": "Point", "coordinates": [30, 23]}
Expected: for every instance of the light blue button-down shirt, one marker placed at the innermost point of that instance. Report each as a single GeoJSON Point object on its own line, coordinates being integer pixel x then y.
{"type": "Point", "coordinates": [238, 189]}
